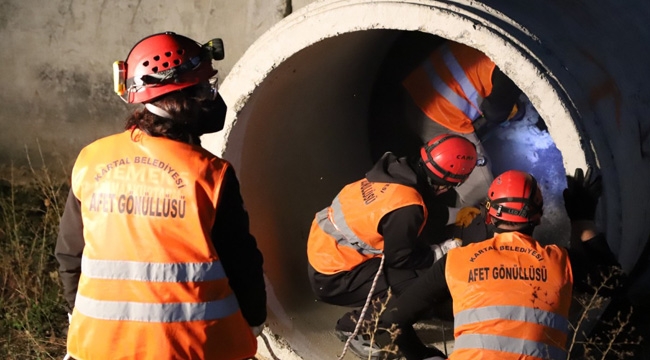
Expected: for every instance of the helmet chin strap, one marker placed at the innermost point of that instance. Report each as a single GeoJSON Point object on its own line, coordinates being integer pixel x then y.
{"type": "Point", "coordinates": [158, 111]}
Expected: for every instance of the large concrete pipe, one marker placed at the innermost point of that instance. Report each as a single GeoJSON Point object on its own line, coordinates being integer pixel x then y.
{"type": "Point", "coordinates": [299, 102]}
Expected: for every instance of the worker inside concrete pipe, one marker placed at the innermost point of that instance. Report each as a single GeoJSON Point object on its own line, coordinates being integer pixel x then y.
{"type": "Point", "coordinates": [454, 89]}
{"type": "Point", "coordinates": [507, 129]}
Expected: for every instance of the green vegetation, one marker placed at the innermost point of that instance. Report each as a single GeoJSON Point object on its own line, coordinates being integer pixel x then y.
{"type": "Point", "coordinates": [33, 316]}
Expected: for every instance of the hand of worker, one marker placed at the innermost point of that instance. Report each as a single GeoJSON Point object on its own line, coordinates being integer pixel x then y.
{"type": "Point", "coordinates": [257, 330]}
{"type": "Point", "coordinates": [518, 111]}
{"type": "Point", "coordinates": [483, 126]}
{"type": "Point", "coordinates": [466, 215]}
{"type": "Point", "coordinates": [439, 250]}
{"type": "Point", "coordinates": [581, 194]}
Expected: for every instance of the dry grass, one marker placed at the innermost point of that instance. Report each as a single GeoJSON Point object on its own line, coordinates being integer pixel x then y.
{"type": "Point", "coordinates": [598, 333]}
{"type": "Point", "coordinates": [389, 350]}
{"type": "Point", "coordinates": [33, 317]}
{"type": "Point", "coordinates": [372, 328]}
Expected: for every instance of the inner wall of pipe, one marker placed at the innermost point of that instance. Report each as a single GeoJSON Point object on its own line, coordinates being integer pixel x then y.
{"type": "Point", "coordinates": [306, 136]}
{"type": "Point", "coordinates": [303, 133]}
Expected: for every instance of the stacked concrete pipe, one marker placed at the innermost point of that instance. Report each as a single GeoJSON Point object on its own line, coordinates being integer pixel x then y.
{"type": "Point", "coordinates": [299, 101]}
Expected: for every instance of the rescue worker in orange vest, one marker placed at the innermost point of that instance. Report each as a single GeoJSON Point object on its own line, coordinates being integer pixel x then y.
{"type": "Point", "coordinates": [391, 215]}
{"type": "Point", "coordinates": [155, 253]}
{"type": "Point", "coordinates": [511, 295]}
{"type": "Point", "coordinates": [459, 90]}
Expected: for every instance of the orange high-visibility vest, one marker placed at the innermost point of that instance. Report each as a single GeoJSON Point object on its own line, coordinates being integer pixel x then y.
{"type": "Point", "coordinates": [345, 234]}
{"type": "Point", "coordinates": [511, 299]}
{"type": "Point", "coordinates": [450, 85]}
{"type": "Point", "coordinates": [152, 285]}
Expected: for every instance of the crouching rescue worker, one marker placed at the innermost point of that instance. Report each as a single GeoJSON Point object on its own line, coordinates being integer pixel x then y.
{"type": "Point", "coordinates": [154, 248]}
{"type": "Point", "coordinates": [389, 217]}
{"type": "Point", "coordinates": [511, 295]}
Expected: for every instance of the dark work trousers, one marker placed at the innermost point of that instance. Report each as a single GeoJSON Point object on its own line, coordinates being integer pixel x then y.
{"type": "Point", "coordinates": [351, 288]}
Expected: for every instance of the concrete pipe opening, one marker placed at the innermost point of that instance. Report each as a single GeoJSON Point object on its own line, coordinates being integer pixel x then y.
{"type": "Point", "coordinates": [301, 101]}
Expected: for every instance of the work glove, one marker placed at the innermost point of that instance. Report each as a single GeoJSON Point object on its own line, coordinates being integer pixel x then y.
{"type": "Point", "coordinates": [439, 250]}
{"type": "Point", "coordinates": [581, 195]}
{"type": "Point", "coordinates": [518, 111]}
{"type": "Point", "coordinates": [483, 127]}
{"type": "Point", "coordinates": [466, 215]}
{"type": "Point", "coordinates": [257, 330]}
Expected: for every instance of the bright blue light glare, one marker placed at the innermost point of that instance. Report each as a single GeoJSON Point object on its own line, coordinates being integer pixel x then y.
{"type": "Point", "coordinates": [521, 145]}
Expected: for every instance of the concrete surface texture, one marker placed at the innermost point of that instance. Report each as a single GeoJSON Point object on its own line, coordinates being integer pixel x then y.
{"type": "Point", "coordinates": [57, 62]}
{"type": "Point", "coordinates": [300, 98]}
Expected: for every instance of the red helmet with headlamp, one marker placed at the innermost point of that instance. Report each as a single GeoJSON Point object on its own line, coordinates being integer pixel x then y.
{"type": "Point", "coordinates": [162, 63]}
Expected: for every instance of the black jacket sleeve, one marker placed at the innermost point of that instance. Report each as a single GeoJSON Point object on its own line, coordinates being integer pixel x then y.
{"type": "Point", "coordinates": [69, 247]}
{"type": "Point", "coordinates": [403, 248]}
{"type": "Point", "coordinates": [593, 264]}
{"type": "Point", "coordinates": [237, 249]}
{"type": "Point", "coordinates": [497, 106]}
{"type": "Point", "coordinates": [420, 297]}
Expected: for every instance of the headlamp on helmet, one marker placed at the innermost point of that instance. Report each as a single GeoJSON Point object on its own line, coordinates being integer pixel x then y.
{"type": "Point", "coordinates": [162, 63]}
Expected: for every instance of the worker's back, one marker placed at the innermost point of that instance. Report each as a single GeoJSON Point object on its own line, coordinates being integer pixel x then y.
{"type": "Point", "coordinates": [511, 298]}
{"type": "Point", "coordinates": [450, 85]}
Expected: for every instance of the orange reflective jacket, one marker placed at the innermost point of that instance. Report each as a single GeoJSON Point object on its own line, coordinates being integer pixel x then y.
{"type": "Point", "coordinates": [511, 299]}
{"type": "Point", "coordinates": [450, 85]}
{"type": "Point", "coordinates": [345, 234]}
{"type": "Point", "coordinates": [152, 285]}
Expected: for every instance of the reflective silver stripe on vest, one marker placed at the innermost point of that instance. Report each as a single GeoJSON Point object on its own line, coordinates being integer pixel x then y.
{"type": "Point", "coordinates": [508, 344]}
{"type": "Point", "coordinates": [517, 313]}
{"type": "Point", "coordinates": [340, 230]}
{"type": "Point", "coordinates": [148, 312]}
{"type": "Point", "coordinates": [460, 76]}
{"type": "Point", "coordinates": [154, 272]}
{"type": "Point", "coordinates": [450, 95]}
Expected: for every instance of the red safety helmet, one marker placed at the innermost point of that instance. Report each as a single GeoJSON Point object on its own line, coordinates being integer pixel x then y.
{"type": "Point", "coordinates": [449, 159]}
{"type": "Point", "coordinates": [515, 197]}
{"type": "Point", "coordinates": [162, 63]}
